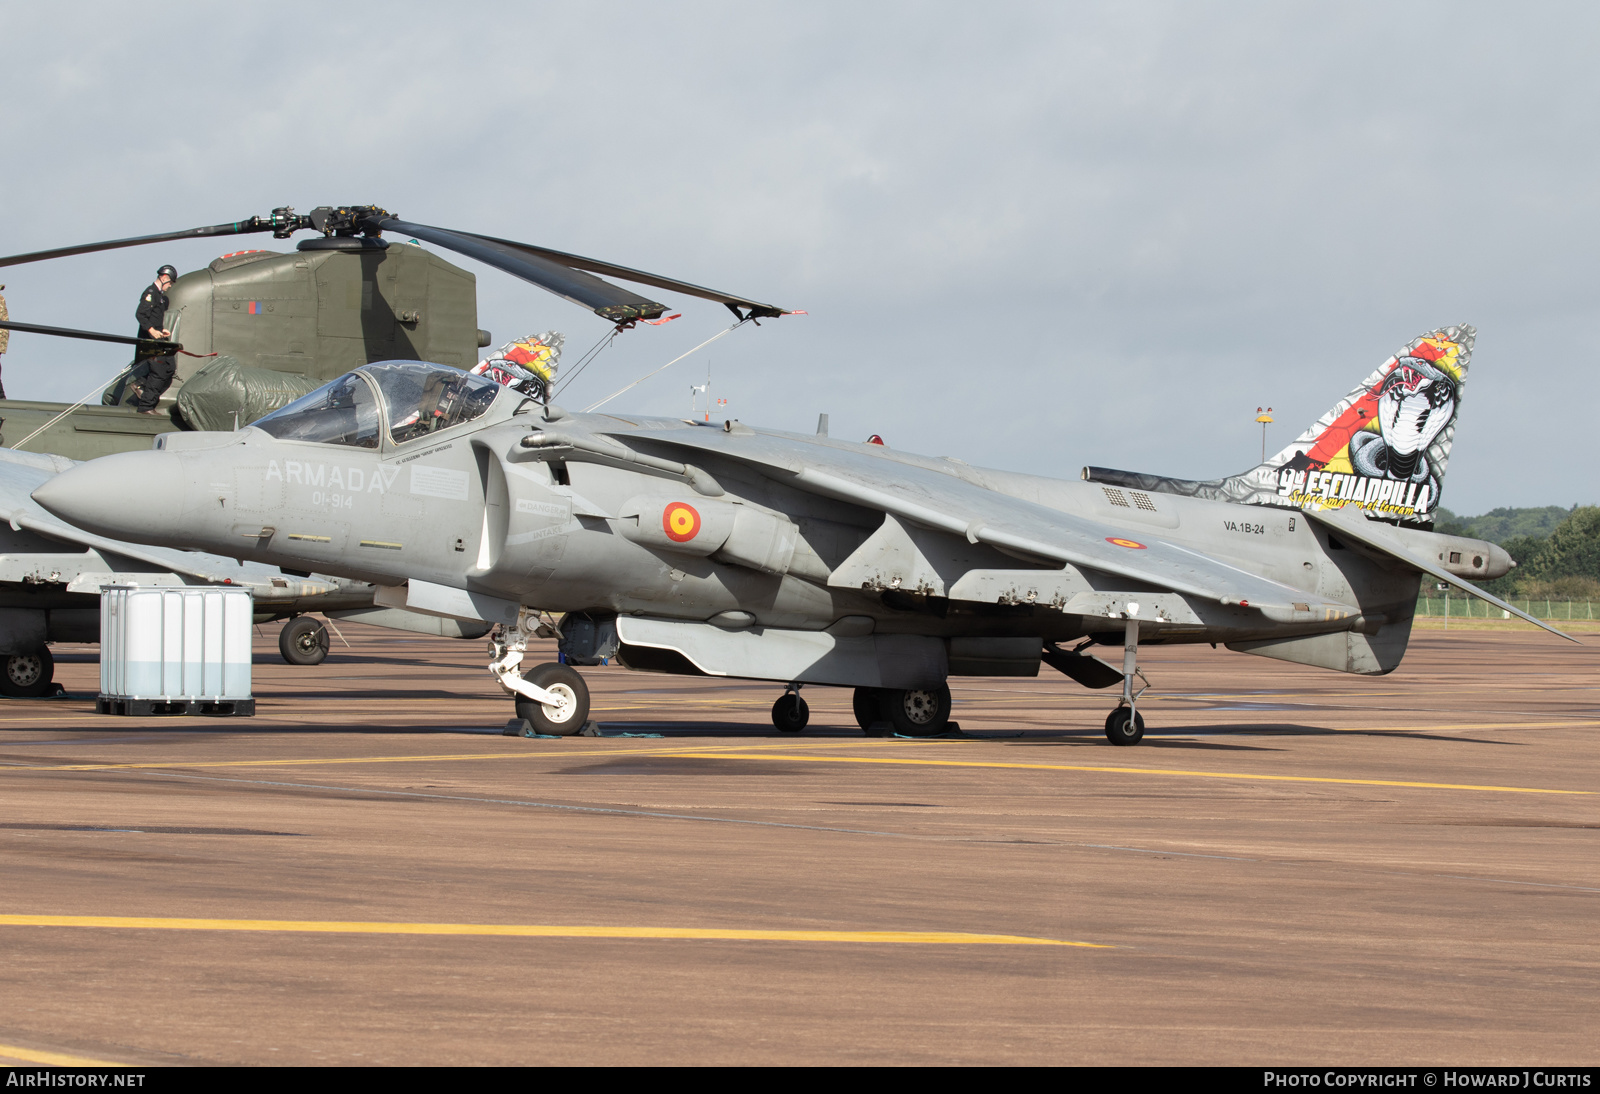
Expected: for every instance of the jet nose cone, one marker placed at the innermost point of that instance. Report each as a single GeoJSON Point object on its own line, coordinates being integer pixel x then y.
{"type": "Point", "coordinates": [133, 495]}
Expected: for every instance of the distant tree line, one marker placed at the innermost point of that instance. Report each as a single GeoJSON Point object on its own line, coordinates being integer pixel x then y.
{"type": "Point", "coordinates": [1557, 550]}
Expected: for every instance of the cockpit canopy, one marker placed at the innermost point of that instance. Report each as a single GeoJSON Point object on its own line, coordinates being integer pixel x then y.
{"type": "Point", "coordinates": [412, 399]}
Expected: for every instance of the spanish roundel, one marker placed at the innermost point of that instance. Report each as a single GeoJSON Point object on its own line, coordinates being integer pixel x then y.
{"type": "Point", "coordinates": [681, 522]}
{"type": "Point", "coordinates": [1119, 542]}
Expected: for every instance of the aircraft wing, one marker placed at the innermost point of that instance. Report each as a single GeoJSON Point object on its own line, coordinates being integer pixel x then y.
{"type": "Point", "coordinates": [943, 501]}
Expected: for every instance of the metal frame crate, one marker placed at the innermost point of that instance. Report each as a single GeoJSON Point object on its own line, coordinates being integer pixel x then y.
{"type": "Point", "coordinates": [183, 650]}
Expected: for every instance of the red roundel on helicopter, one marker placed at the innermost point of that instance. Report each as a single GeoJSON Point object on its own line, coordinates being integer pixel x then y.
{"type": "Point", "coordinates": [1133, 543]}
{"type": "Point", "coordinates": [681, 522]}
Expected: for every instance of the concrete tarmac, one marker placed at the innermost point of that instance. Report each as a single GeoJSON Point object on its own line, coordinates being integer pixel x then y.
{"type": "Point", "coordinates": [1296, 867]}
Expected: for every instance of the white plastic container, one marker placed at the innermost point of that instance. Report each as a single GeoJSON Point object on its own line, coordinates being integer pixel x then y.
{"type": "Point", "coordinates": [175, 650]}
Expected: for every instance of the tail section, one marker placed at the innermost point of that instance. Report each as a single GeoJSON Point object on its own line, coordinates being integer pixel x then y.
{"type": "Point", "coordinates": [1382, 449]}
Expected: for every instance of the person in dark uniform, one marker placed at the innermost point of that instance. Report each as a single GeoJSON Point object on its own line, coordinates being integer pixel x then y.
{"type": "Point", "coordinates": [152, 373]}
{"type": "Point", "coordinates": [5, 337]}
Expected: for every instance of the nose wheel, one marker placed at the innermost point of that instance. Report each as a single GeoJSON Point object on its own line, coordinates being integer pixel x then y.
{"type": "Point", "coordinates": [552, 698]}
{"type": "Point", "coordinates": [565, 708]}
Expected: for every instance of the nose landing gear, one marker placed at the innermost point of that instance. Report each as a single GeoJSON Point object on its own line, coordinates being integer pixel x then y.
{"type": "Point", "coordinates": [567, 708]}
{"type": "Point", "coordinates": [551, 697]}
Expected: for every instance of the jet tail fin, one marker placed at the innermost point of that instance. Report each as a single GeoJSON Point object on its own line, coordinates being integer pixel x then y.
{"type": "Point", "coordinates": [1382, 449]}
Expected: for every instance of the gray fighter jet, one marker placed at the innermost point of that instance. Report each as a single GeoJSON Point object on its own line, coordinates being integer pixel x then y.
{"type": "Point", "coordinates": [731, 551]}
{"type": "Point", "coordinates": [51, 574]}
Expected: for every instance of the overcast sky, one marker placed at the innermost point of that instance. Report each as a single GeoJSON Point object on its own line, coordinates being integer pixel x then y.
{"type": "Point", "coordinates": [1034, 236]}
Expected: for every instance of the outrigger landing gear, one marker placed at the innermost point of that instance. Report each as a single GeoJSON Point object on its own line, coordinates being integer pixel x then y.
{"type": "Point", "coordinates": [1125, 726]}
{"type": "Point", "coordinates": [790, 713]}
{"type": "Point", "coordinates": [551, 697]}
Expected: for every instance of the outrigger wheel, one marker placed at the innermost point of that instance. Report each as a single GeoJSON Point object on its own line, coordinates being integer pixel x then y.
{"type": "Point", "coordinates": [564, 719]}
{"type": "Point", "coordinates": [1124, 726]}
{"type": "Point", "coordinates": [304, 641]}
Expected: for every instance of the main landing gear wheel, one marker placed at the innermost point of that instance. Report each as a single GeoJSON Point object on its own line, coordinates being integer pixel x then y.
{"type": "Point", "coordinates": [790, 713]}
{"type": "Point", "coordinates": [868, 707]}
{"type": "Point", "coordinates": [27, 675]}
{"type": "Point", "coordinates": [564, 719]}
{"type": "Point", "coordinates": [917, 712]}
{"type": "Point", "coordinates": [1121, 729]}
{"type": "Point", "coordinates": [304, 641]}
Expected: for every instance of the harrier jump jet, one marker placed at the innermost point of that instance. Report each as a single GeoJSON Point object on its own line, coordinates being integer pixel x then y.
{"type": "Point", "coordinates": [728, 550]}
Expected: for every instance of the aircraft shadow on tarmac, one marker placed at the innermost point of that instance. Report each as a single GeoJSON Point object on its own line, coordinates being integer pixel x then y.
{"type": "Point", "coordinates": [1174, 737]}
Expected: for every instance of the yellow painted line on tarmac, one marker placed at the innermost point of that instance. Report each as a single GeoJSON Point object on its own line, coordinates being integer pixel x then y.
{"type": "Point", "coordinates": [537, 930]}
{"type": "Point", "coordinates": [332, 760]}
{"type": "Point", "coordinates": [54, 1059]}
{"type": "Point", "coordinates": [1140, 771]}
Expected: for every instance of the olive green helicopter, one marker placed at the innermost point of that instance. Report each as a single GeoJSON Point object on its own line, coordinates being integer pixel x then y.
{"type": "Point", "coordinates": [257, 329]}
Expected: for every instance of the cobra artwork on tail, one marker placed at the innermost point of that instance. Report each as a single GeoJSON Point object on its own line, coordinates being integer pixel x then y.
{"type": "Point", "coordinates": [1382, 449]}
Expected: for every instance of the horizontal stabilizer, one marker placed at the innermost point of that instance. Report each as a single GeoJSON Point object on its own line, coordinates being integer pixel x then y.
{"type": "Point", "coordinates": [1381, 537]}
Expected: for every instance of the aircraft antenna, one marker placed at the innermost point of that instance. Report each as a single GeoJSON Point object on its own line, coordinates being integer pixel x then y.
{"type": "Point", "coordinates": [696, 390]}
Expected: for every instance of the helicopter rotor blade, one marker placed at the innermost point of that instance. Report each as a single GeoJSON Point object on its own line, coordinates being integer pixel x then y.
{"type": "Point", "coordinates": [158, 346]}
{"type": "Point", "coordinates": [592, 265]}
{"type": "Point", "coordinates": [568, 275]}
{"type": "Point", "coordinates": [280, 223]}
{"type": "Point", "coordinates": [603, 298]}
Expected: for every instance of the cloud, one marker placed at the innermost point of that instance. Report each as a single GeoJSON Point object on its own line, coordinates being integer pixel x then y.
{"type": "Point", "coordinates": [1034, 236]}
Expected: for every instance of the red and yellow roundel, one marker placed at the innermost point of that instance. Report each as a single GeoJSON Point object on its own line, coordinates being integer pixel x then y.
{"type": "Point", "coordinates": [681, 522]}
{"type": "Point", "coordinates": [1133, 543]}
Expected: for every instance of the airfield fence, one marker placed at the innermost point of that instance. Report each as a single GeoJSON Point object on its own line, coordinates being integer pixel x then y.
{"type": "Point", "coordinates": [1470, 607]}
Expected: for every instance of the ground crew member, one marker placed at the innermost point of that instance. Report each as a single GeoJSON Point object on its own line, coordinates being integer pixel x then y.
{"type": "Point", "coordinates": [5, 337]}
{"type": "Point", "coordinates": [152, 372]}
